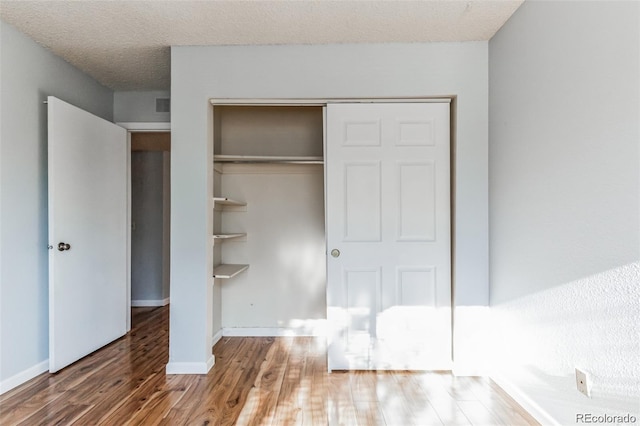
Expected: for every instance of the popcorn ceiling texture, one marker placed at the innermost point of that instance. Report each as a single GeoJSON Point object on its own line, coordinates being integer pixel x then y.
{"type": "Point", "coordinates": [125, 45]}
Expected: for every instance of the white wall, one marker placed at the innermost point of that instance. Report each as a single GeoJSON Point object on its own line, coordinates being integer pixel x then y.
{"type": "Point", "coordinates": [29, 73]}
{"type": "Point", "coordinates": [139, 106]}
{"type": "Point", "coordinates": [285, 285]}
{"type": "Point", "coordinates": [564, 202]}
{"type": "Point", "coordinates": [396, 70]}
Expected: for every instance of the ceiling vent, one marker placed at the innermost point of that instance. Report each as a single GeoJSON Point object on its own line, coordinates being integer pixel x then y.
{"type": "Point", "coordinates": [163, 105]}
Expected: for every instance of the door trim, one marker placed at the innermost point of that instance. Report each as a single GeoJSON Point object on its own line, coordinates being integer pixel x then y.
{"type": "Point", "coordinates": [135, 127]}
{"type": "Point", "coordinates": [450, 99]}
{"type": "Point", "coordinates": [324, 101]}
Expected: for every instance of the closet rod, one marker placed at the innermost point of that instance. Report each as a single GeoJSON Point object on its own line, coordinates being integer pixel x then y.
{"type": "Point", "coordinates": [267, 159]}
{"type": "Point", "coordinates": [269, 162]}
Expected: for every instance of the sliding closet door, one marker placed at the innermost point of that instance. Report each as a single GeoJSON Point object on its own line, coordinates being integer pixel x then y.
{"type": "Point", "coordinates": [388, 235]}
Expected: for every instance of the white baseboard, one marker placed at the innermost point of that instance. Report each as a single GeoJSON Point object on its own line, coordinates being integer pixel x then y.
{"type": "Point", "coordinates": [216, 337]}
{"type": "Point", "coordinates": [23, 376]}
{"type": "Point", "coordinates": [525, 401]}
{"type": "Point", "coordinates": [268, 332]}
{"type": "Point", "coordinates": [461, 370]}
{"type": "Point", "coordinates": [149, 303]}
{"type": "Point", "coordinates": [190, 367]}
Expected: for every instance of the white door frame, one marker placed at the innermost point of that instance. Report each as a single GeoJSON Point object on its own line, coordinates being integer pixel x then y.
{"type": "Point", "coordinates": [451, 99]}
{"type": "Point", "coordinates": [135, 127]}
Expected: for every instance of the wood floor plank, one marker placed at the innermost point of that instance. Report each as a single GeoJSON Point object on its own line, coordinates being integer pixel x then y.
{"type": "Point", "coordinates": [289, 408]}
{"type": "Point", "coordinates": [340, 405]}
{"type": "Point", "coordinates": [449, 412]}
{"type": "Point", "coordinates": [364, 386]}
{"type": "Point", "coordinates": [261, 405]}
{"type": "Point", "coordinates": [478, 414]}
{"type": "Point", "coordinates": [160, 403]}
{"type": "Point", "coordinates": [179, 414]}
{"type": "Point", "coordinates": [49, 389]}
{"type": "Point", "coordinates": [319, 387]}
{"type": "Point", "coordinates": [232, 405]}
{"type": "Point", "coordinates": [420, 410]}
{"type": "Point", "coordinates": [255, 381]}
{"type": "Point", "coordinates": [369, 413]}
{"type": "Point", "coordinates": [219, 404]}
{"type": "Point", "coordinates": [123, 410]}
{"type": "Point", "coordinates": [56, 415]}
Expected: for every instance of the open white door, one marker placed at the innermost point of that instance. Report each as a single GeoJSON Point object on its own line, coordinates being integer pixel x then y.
{"type": "Point", "coordinates": [388, 236]}
{"type": "Point", "coordinates": [87, 233]}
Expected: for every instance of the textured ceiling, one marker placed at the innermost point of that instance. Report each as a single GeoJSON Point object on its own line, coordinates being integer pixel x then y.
{"type": "Point", "coordinates": [125, 44]}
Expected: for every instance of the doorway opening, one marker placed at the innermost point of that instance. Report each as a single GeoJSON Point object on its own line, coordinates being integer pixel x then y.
{"type": "Point", "coordinates": [150, 218]}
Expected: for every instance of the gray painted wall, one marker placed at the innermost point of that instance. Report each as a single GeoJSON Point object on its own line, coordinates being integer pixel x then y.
{"type": "Point", "coordinates": [166, 224]}
{"type": "Point", "coordinates": [148, 226]}
{"type": "Point", "coordinates": [390, 70]}
{"type": "Point", "coordinates": [29, 74]}
{"type": "Point", "coordinates": [139, 106]}
{"type": "Point", "coordinates": [564, 202]}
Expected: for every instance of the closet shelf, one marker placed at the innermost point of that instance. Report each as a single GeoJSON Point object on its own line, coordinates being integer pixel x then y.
{"type": "Point", "coordinates": [224, 201]}
{"type": "Point", "coordinates": [268, 159]}
{"type": "Point", "coordinates": [228, 270]}
{"type": "Point", "coordinates": [227, 236]}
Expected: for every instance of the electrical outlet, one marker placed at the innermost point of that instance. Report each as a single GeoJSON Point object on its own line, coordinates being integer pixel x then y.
{"type": "Point", "coordinates": [582, 382]}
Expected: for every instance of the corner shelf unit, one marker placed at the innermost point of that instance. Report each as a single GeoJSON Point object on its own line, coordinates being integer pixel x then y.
{"type": "Point", "coordinates": [226, 271]}
{"type": "Point", "coordinates": [257, 135]}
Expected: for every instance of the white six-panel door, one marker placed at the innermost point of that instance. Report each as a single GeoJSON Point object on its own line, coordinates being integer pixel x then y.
{"type": "Point", "coordinates": [388, 236]}
{"type": "Point", "coordinates": [87, 233]}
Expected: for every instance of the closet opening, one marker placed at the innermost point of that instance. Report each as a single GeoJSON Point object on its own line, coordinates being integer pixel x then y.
{"type": "Point", "coordinates": [269, 262]}
{"type": "Point", "coordinates": [383, 296]}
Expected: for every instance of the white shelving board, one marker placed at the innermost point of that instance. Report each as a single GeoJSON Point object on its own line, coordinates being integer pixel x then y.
{"type": "Point", "coordinates": [268, 159]}
{"type": "Point", "coordinates": [224, 201]}
{"type": "Point", "coordinates": [227, 236]}
{"type": "Point", "coordinates": [228, 270]}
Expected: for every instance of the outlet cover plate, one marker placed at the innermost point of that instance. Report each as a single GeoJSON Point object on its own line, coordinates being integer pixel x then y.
{"type": "Point", "coordinates": [582, 382]}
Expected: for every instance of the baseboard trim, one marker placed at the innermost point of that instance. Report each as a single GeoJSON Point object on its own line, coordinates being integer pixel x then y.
{"type": "Point", "coordinates": [538, 413]}
{"type": "Point", "coordinates": [190, 367]}
{"type": "Point", "coordinates": [149, 303]}
{"type": "Point", "coordinates": [23, 376]}
{"type": "Point", "coordinates": [461, 370]}
{"type": "Point", "coordinates": [269, 332]}
{"type": "Point", "coordinates": [216, 338]}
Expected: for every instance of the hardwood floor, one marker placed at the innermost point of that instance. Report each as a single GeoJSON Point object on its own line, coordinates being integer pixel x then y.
{"type": "Point", "coordinates": [256, 381]}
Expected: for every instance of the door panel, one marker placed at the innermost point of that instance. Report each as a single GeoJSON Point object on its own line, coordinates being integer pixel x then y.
{"type": "Point", "coordinates": [362, 199]}
{"type": "Point", "coordinates": [416, 204]}
{"type": "Point", "coordinates": [87, 211]}
{"type": "Point", "coordinates": [388, 215]}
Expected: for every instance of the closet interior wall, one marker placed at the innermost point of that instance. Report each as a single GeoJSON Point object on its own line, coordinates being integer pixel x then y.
{"type": "Point", "coordinates": [283, 290]}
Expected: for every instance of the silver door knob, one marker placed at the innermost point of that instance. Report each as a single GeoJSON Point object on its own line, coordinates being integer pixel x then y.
{"type": "Point", "coordinates": [64, 246]}
{"type": "Point", "coordinates": [335, 253]}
